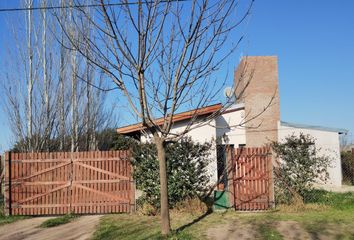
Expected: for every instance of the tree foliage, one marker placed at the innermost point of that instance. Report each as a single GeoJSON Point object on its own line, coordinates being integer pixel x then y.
{"type": "Point", "coordinates": [299, 166]}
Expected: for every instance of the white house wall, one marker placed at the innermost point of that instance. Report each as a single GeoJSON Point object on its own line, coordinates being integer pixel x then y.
{"type": "Point", "coordinates": [229, 129]}
{"type": "Point", "coordinates": [327, 142]}
{"type": "Point", "coordinates": [226, 126]}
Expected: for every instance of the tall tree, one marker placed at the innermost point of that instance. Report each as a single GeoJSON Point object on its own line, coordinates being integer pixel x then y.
{"type": "Point", "coordinates": [164, 57]}
{"type": "Point", "coordinates": [74, 72]}
{"type": "Point", "coordinates": [45, 75]}
{"type": "Point", "coordinates": [61, 103]}
{"type": "Point", "coordinates": [30, 79]}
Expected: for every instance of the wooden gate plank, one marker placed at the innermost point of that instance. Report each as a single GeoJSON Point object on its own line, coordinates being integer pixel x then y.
{"type": "Point", "coordinates": [43, 194]}
{"type": "Point", "coordinates": [102, 171]}
{"type": "Point", "coordinates": [43, 171]}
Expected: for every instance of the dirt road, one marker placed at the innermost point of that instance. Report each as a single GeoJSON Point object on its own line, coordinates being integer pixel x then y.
{"type": "Point", "coordinates": [81, 228]}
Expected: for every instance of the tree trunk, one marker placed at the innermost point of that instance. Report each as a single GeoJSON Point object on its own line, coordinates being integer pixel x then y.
{"type": "Point", "coordinates": [45, 78]}
{"type": "Point", "coordinates": [61, 86]}
{"type": "Point", "coordinates": [30, 76]}
{"type": "Point", "coordinates": [74, 109]}
{"type": "Point", "coordinates": [165, 215]}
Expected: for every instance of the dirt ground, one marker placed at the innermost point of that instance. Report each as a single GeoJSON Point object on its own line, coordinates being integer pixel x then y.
{"type": "Point", "coordinates": [81, 228]}
{"type": "Point", "coordinates": [236, 230]}
{"type": "Point", "coordinates": [290, 230]}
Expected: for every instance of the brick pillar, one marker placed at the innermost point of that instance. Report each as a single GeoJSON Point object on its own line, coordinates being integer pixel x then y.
{"type": "Point", "coordinates": [256, 85]}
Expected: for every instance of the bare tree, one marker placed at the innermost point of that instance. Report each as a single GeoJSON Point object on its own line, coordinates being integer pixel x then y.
{"type": "Point", "coordinates": [40, 111]}
{"type": "Point", "coordinates": [163, 56]}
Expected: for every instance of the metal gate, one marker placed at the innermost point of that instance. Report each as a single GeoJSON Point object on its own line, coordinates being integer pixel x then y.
{"type": "Point", "coordinates": [252, 179]}
{"type": "Point", "coordinates": [65, 182]}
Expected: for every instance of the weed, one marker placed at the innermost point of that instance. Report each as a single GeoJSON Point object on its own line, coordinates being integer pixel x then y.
{"type": "Point", "coordinates": [58, 221]}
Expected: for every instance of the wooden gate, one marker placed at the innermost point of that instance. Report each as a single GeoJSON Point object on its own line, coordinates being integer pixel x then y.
{"type": "Point", "coordinates": [252, 181]}
{"type": "Point", "coordinates": [64, 182]}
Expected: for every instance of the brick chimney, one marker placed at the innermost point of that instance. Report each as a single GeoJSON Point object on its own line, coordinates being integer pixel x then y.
{"type": "Point", "coordinates": [256, 85]}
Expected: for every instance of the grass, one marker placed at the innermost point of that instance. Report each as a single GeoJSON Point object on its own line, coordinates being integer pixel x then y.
{"type": "Point", "coordinates": [7, 219]}
{"type": "Point", "coordinates": [10, 219]}
{"type": "Point", "coordinates": [266, 231]}
{"type": "Point", "coordinates": [134, 227]}
{"type": "Point", "coordinates": [58, 221]}
{"type": "Point", "coordinates": [332, 216]}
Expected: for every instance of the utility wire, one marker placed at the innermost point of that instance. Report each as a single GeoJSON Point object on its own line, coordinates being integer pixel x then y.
{"type": "Point", "coordinates": [84, 6]}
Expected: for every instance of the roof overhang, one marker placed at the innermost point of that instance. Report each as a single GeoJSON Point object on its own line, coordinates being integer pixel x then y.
{"type": "Point", "coordinates": [176, 118]}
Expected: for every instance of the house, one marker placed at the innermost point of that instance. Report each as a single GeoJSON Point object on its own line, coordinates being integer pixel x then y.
{"type": "Point", "coordinates": [253, 121]}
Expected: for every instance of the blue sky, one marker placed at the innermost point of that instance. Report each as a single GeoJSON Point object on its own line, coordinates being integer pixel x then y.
{"type": "Point", "coordinates": [314, 42]}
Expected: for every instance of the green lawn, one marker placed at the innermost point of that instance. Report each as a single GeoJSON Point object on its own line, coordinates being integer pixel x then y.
{"type": "Point", "coordinates": [332, 216]}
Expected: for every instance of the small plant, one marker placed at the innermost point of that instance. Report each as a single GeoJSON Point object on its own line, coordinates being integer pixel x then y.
{"type": "Point", "coordinates": [58, 221]}
{"type": "Point", "coordinates": [193, 206]}
{"type": "Point", "coordinates": [147, 209]}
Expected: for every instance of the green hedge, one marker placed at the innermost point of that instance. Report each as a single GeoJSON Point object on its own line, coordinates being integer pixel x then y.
{"type": "Point", "coordinates": [187, 172]}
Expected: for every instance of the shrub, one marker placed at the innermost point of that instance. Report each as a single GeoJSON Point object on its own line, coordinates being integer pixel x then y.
{"type": "Point", "coordinates": [299, 167]}
{"type": "Point", "coordinates": [187, 171]}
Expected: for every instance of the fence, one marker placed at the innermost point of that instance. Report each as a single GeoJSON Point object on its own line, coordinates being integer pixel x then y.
{"type": "Point", "coordinates": [64, 182]}
{"type": "Point", "coordinates": [347, 161]}
{"type": "Point", "coordinates": [252, 182]}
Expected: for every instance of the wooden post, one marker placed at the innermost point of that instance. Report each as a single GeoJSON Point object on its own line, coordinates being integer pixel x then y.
{"type": "Point", "coordinates": [70, 188]}
{"type": "Point", "coordinates": [132, 183]}
{"type": "Point", "coordinates": [10, 185]}
{"type": "Point", "coordinates": [271, 162]}
{"type": "Point", "coordinates": [230, 177]}
{"type": "Point", "coordinates": [6, 177]}
{"type": "Point", "coordinates": [8, 189]}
